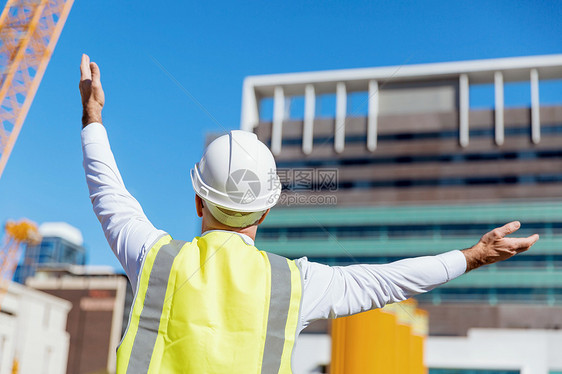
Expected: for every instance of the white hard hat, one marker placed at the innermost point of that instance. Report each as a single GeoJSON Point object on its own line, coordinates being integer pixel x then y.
{"type": "Point", "coordinates": [238, 174]}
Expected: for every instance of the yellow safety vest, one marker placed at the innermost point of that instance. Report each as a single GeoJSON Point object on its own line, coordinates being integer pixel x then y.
{"type": "Point", "coordinates": [213, 305]}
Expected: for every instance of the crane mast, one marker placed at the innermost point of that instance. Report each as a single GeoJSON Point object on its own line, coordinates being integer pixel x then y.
{"type": "Point", "coordinates": [29, 30]}
{"type": "Point", "coordinates": [18, 235]}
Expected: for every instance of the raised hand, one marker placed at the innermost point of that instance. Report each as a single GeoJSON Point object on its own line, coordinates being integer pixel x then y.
{"type": "Point", "coordinates": [494, 246]}
{"type": "Point", "coordinates": [91, 91]}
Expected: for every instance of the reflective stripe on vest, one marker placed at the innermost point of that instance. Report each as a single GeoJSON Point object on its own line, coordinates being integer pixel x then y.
{"type": "Point", "coordinates": [282, 311]}
{"type": "Point", "coordinates": [149, 320]}
{"type": "Point", "coordinates": [279, 301]}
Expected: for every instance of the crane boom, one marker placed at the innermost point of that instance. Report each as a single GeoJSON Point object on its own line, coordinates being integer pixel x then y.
{"type": "Point", "coordinates": [29, 30]}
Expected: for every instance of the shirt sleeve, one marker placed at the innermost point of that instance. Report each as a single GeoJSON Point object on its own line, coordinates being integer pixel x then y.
{"type": "Point", "coordinates": [127, 229]}
{"type": "Point", "coordinates": [338, 291]}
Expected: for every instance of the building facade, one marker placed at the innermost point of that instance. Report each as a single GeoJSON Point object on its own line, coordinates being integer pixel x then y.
{"type": "Point", "coordinates": [381, 164]}
{"type": "Point", "coordinates": [99, 310]}
{"type": "Point", "coordinates": [33, 337]}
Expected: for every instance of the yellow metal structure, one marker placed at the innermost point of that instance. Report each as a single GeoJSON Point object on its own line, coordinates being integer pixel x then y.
{"type": "Point", "coordinates": [17, 235]}
{"type": "Point", "coordinates": [381, 341]}
{"type": "Point", "coordinates": [29, 30]}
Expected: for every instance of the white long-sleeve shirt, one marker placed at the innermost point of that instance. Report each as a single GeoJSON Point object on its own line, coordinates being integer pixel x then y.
{"type": "Point", "coordinates": [328, 291]}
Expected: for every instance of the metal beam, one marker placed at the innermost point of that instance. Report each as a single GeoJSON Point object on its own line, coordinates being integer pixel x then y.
{"type": "Point", "coordinates": [278, 117]}
{"type": "Point", "coordinates": [373, 115]}
{"type": "Point", "coordinates": [341, 112]}
{"type": "Point", "coordinates": [309, 110]}
{"type": "Point", "coordinates": [250, 116]}
{"type": "Point", "coordinates": [535, 107]}
{"type": "Point", "coordinates": [464, 105]}
{"type": "Point", "coordinates": [498, 108]}
{"type": "Point", "coordinates": [479, 72]}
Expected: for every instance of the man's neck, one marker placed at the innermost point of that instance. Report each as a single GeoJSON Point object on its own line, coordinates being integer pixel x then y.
{"type": "Point", "coordinates": [249, 231]}
{"type": "Point", "coordinates": [244, 237]}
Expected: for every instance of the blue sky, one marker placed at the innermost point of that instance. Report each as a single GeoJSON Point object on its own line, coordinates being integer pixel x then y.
{"type": "Point", "coordinates": [157, 131]}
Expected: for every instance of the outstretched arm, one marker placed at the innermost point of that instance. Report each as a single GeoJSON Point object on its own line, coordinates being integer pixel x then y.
{"type": "Point", "coordinates": [126, 227]}
{"type": "Point", "coordinates": [331, 292]}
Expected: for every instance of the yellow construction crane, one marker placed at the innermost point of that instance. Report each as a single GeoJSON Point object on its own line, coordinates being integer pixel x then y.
{"type": "Point", "coordinates": [29, 30]}
{"type": "Point", "coordinates": [17, 235]}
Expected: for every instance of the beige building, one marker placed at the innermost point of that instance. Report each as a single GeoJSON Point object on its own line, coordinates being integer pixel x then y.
{"type": "Point", "coordinates": [33, 337]}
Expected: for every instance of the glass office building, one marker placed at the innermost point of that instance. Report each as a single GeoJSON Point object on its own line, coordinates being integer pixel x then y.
{"type": "Point", "coordinates": [62, 244]}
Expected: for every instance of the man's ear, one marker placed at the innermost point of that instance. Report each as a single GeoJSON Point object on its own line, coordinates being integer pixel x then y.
{"type": "Point", "coordinates": [199, 205]}
{"type": "Point", "coordinates": [263, 217]}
